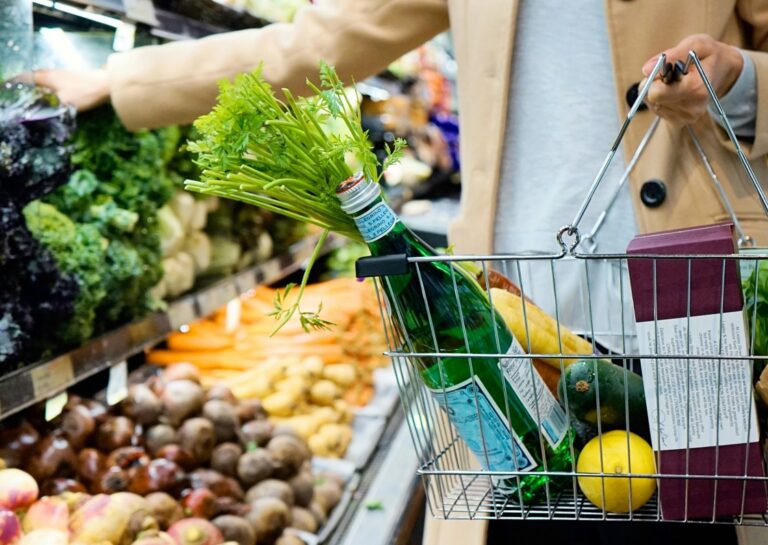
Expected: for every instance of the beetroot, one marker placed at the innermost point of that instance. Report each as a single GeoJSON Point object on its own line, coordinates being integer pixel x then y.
{"type": "Point", "coordinates": [199, 503]}
{"type": "Point", "coordinates": [16, 442]}
{"type": "Point", "coordinates": [52, 456]}
{"type": "Point", "coordinates": [78, 425]}
{"type": "Point", "coordinates": [195, 531]}
{"type": "Point", "coordinates": [55, 487]}
{"type": "Point", "coordinates": [125, 457]}
{"type": "Point", "coordinates": [116, 432]}
{"type": "Point", "coordinates": [17, 489]}
{"type": "Point", "coordinates": [159, 475]}
{"type": "Point", "coordinates": [142, 405]}
{"type": "Point", "coordinates": [178, 455]}
{"type": "Point", "coordinates": [10, 527]}
{"type": "Point", "coordinates": [90, 464]}
{"type": "Point", "coordinates": [181, 399]}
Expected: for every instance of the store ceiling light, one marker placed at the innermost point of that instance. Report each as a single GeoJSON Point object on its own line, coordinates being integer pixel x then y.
{"type": "Point", "coordinates": [78, 12]}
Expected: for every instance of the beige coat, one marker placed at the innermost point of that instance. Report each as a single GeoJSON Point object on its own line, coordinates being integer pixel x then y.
{"type": "Point", "coordinates": [175, 83]}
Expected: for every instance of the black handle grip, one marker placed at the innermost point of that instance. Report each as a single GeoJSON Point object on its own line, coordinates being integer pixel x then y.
{"type": "Point", "coordinates": [386, 265]}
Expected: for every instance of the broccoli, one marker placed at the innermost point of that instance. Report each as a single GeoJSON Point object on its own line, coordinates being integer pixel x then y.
{"type": "Point", "coordinates": [79, 250]}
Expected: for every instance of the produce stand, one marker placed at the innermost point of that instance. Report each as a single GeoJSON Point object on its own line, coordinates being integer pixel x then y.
{"type": "Point", "coordinates": [22, 388]}
{"type": "Point", "coordinates": [107, 365]}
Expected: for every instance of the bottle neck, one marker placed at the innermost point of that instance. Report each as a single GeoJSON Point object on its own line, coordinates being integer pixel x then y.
{"type": "Point", "coordinates": [376, 220]}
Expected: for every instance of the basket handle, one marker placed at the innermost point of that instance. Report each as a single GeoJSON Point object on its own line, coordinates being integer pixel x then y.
{"type": "Point", "coordinates": [571, 231]}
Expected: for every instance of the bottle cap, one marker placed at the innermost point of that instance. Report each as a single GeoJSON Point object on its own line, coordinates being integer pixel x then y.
{"type": "Point", "coordinates": [356, 192]}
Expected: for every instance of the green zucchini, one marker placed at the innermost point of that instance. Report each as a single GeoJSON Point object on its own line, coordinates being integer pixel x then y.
{"type": "Point", "coordinates": [583, 380]}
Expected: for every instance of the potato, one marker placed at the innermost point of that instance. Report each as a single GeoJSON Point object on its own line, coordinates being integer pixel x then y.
{"type": "Point", "coordinates": [314, 365]}
{"type": "Point", "coordinates": [343, 374]}
{"type": "Point", "coordinates": [280, 403]}
{"type": "Point", "coordinates": [295, 386]}
{"type": "Point", "coordinates": [324, 392]}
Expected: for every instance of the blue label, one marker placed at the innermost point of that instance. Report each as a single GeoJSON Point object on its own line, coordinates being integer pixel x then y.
{"type": "Point", "coordinates": [376, 223]}
{"type": "Point", "coordinates": [483, 428]}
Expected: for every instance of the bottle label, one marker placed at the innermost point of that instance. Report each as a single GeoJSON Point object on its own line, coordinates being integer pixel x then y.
{"type": "Point", "coordinates": [533, 393]}
{"type": "Point", "coordinates": [376, 223]}
{"type": "Point", "coordinates": [482, 426]}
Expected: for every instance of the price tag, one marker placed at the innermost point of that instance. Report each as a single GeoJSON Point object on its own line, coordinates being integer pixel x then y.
{"type": "Point", "coordinates": [228, 292]}
{"type": "Point", "coordinates": [246, 282]}
{"type": "Point", "coordinates": [125, 37]}
{"type": "Point", "coordinates": [271, 270]}
{"type": "Point", "coordinates": [54, 375]}
{"type": "Point", "coordinates": [117, 387]}
{"type": "Point", "coordinates": [142, 11]}
{"type": "Point", "coordinates": [181, 313]}
{"type": "Point", "coordinates": [233, 314]}
{"type": "Point", "coordinates": [54, 405]}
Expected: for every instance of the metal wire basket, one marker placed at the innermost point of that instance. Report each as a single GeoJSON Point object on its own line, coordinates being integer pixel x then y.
{"type": "Point", "coordinates": [708, 464]}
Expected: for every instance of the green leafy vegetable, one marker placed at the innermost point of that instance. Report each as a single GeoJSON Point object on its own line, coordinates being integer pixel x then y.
{"type": "Point", "coordinates": [280, 155]}
{"type": "Point", "coordinates": [78, 249]}
{"type": "Point", "coordinates": [755, 289]}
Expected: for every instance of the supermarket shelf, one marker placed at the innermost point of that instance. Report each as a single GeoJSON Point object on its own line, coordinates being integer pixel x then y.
{"type": "Point", "coordinates": [40, 381]}
{"type": "Point", "coordinates": [389, 495]}
{"type": "Point", "coordinates": [163, 23]}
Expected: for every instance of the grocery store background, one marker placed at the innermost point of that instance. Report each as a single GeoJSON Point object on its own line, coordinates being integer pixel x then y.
{"type": "Point", "coordinates": [122, 273]}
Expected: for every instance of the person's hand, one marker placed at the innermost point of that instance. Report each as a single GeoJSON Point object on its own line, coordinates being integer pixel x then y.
{"type": "Point", "coordinates": [686, 100]}
{"type": "Point", "coordinates": [84, 89]}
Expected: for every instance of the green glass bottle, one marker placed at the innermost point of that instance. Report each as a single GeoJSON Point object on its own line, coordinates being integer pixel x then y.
{"type": "Point", "coordinates": [492, 402]}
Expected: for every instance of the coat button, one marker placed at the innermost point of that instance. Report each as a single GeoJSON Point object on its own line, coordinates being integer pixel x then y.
{"type": "Point", "coordinates": [653, 193]}
{"type": "Point", "coordinates": [631, 96]}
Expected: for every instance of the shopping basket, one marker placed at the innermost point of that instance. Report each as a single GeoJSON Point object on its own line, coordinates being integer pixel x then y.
{"type": "Point", "coordinates": [711, 469]}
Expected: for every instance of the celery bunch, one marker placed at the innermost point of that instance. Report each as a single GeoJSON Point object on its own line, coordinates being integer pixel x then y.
{"type": "Point", "coordinates": [281, 154]}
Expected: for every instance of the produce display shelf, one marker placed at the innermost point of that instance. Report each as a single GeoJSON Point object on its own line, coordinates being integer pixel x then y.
{"type": "Point", "coordinates": [163, 23]}
{"type": "Point", "coordinates": [45, 379]}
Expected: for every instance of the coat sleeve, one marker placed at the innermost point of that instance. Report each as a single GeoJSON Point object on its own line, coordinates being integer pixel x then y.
{"type": "Point", "coordinates": [754, 15]}
{"type": "Point", "coordinates": [177, 82]}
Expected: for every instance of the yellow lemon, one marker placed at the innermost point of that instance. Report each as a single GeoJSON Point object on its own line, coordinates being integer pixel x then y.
{"type": "Point", "coordinates": [616, 460]}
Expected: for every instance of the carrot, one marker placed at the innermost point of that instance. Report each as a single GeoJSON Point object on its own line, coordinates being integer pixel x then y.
{"type": "Point", "coordinates": [198, 342]}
